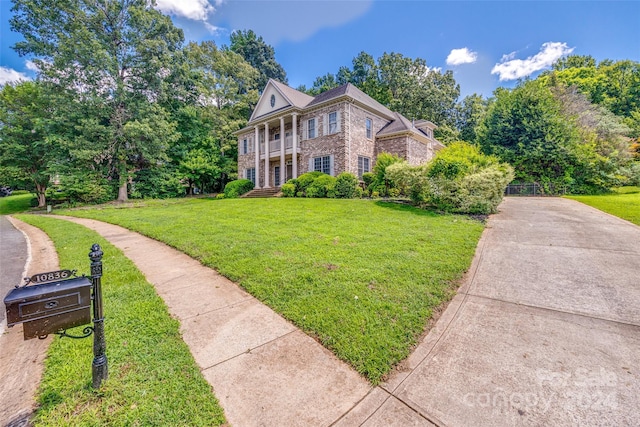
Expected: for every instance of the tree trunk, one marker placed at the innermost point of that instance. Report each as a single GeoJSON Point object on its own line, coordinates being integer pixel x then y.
{"type": "Point", "coordinates": [122, 192]}
{"type": "Point", "coordinates": [40, 193]}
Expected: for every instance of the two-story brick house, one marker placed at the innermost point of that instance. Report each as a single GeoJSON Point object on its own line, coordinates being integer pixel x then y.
{"type": "Point", "coordinates": [342, 129]}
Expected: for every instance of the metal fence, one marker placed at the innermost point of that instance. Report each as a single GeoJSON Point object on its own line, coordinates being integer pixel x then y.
{"type": "Point", "coordinates": [534, 189]}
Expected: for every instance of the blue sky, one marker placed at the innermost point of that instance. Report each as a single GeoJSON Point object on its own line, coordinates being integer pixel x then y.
{"type": "Point", "coordinates": [487, 44]}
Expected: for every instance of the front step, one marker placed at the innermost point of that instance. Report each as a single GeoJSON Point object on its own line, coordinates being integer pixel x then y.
{"type": "Point", "coordinates": [262, 192]}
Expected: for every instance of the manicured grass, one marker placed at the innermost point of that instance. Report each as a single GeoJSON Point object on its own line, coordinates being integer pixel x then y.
{"type": "Point", "coordinates": [363, 277]}
{"type": "Point", "coordinates": [13, 204]}
{"type": "Point", "coordinates": [153, 379]}
{"type": "Point", "coordinates": [625, 204]}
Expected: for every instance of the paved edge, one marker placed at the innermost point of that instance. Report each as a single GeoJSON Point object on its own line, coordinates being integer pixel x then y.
{"type": "Point", "coordinates": [263, 369]}
{"type": "Point", "coordinates": [22, 362]}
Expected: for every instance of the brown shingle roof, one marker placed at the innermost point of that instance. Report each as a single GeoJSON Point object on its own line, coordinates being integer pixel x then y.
{"type": "Point", "coordinates": [352, 92]}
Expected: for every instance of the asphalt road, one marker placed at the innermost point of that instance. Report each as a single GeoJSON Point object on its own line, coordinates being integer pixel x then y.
{"type": "Point", "coordinates": [13, 256]}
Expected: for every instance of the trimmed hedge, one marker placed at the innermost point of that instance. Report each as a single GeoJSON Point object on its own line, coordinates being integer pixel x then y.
{"type": "Point", "coordinates": [317, 184]}
{"type": "Point", "coordinates": [237, 188]}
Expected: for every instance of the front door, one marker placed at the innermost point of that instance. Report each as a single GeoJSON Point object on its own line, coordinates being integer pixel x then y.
{"type": "Point", "coordinates": [276, 178]}
{"type": "Point", "coordinates": [289, 172]}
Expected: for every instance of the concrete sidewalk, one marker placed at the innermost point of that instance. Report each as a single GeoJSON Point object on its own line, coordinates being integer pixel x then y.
{"type": "Point", "coordinates": [544, 331]}
{"type": "Point", "coordinates": [264, 370]}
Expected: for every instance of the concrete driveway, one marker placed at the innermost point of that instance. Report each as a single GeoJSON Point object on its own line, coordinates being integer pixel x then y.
{"type": "Point", "coordinates": [544, 331]}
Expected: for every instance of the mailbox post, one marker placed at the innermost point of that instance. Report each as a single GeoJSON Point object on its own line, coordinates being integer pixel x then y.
{"type": "Point", "coordinates": [99, 367]}
{"type": "Point", "coordinates": [60, 300]}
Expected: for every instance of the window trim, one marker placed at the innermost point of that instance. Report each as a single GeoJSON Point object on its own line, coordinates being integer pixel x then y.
{"type": "Point", "coordinates": [361, 165]}
{"type": "Point", "coordinates": [310, 128]}
{"type": "Point", "coordinates": [247, 174]}
{"type": "Point", "coordinates": [368, 127]}
{"type": "Point", "coordinates": [326, 164]}
{"type": "Point", "coordinates": [335, 122]}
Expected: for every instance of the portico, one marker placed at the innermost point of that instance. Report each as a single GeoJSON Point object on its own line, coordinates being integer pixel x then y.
{"type": "Point", "coordinates": [276, 142]}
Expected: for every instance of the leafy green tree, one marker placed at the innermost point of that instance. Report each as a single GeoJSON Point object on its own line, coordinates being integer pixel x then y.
{"type": "Point", "coordinates": [260, 55]}
{"type": "Point", "coordinates": [112, 57]}
{"type": "Point", "coordinates": [525, 128]}
{"type": "Point", "coordinates": [29, 151]}
{"type": "Point", "coordinates": [469, 114]}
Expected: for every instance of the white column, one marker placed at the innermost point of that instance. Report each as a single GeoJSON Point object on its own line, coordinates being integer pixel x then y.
{"type": "Point", "coordinates": [256, 152]}
{"type": "Point", "coordinates": [282, 144]}
{"type": "Point", "coordinates": [294, 151]}
{"type": "Point", "coordinates": [266, 155]}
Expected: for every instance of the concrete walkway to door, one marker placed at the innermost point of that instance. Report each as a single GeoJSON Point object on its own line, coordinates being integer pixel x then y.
{"type": "Point", "coordinates": [544, 331]}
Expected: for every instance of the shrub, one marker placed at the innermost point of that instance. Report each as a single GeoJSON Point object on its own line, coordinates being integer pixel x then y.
{"type": "Point", "coordinates": [306, 179]}
{"type": "Point", "coordinates": [156, 183]}
{"type": "Point", "coordinates": [289, 189]}
{"type": "Point", "coordinates": [320, 186]}
{"type": "Point", "coordinates": [381, 181]}
{"type": "Point", "coordinates": [368, 178]}
{"type": "Point", "coordinates": [220, 196]}
{"type": "Point", "coordinates": [463, 180]}
{"type": "Point", "coordinates": [345, 186]}
{"type": "Point", "coordinates": [237, 188]}
{"type": "Point", "coordinates": [81, 188]}
{"type": "Point", "coordinates": [359, 192]}
{"type": "Point", "coordinates": [375, 195]}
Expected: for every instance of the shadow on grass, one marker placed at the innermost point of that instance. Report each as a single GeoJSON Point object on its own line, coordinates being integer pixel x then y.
{"type": "Point", "coordinates": [404, 207]}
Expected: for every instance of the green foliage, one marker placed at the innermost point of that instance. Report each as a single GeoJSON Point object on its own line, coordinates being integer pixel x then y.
{"type": "Point", "coordinates": [381, 182]}
{"type": "Point", "coordinates": [400, 262]}
{"type": "Point", "coordinates": [459, 179]}
{"type": "Point", "coordinates": [322, 186]}
{"type": "Point", "coordinates": [368, 178]}
{"type": "Point", "coordinates": [29, 151]}
{"type": "Point", "coordinates": [81, 187]}
{"type": "Point", "coordinates": [108, 59]}
{"type": "Point", "coordinates": [237, 188]}
{"type": "Point", "coordinates": [156, 183]}
{"type": "Point", "coordinates": [288, 189]}
{"type": "Point", "coordinates": [153, 378]}
{"type": "Point", "coordinates": [345, 186]}
{"type": "Point", "coordinates": [260, 55]}
{"type": "Point", "coordinates": [304, 180]}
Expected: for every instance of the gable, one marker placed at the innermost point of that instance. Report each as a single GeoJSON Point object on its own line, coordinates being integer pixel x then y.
{"type": "Point", "coordinates": [269, 96]}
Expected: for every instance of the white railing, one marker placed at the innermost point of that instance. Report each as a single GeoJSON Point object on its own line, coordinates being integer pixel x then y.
{"type": "Point", "coordinates": [274, 145]}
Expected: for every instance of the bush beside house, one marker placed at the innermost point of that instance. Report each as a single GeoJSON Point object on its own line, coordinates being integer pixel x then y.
{"type": "Point", "coordinates": [237, 188]}
{"type": "Point", "coordinates": [459, 179]}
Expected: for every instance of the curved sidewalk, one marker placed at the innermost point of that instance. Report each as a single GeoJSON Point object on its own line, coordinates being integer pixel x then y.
{"type": "Point", "coordinates": [264, 370]}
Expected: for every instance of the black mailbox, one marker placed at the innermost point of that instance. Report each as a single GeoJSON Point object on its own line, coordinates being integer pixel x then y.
{"type": "Point", "coordinates": [47, 308]}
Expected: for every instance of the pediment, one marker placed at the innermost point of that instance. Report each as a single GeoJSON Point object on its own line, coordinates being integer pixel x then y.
{"type": "Point", "coordinates": [271, 100]}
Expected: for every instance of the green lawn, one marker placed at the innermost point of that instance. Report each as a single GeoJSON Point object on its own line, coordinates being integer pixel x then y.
{"type": "Point", "coordinates": [363, 277]}
{"type": "Point", "coordinates": [624, 204]}
{"type": "Point", "coordinates": [153, 379]}
{"type": "Point", "coordinates": [13, 204]}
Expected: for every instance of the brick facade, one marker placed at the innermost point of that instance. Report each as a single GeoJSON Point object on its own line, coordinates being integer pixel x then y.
{"type": "Point", "coordinates": [390, 132]}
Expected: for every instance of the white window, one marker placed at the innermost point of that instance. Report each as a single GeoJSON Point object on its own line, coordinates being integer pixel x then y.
{"type": "Point", "coordinates": [322, 164]}
{"type": "Point", "coordinates": [333, 122]}
{"type": "Point", "coordinates": [367, 124]}
{"type": "Point", "coordinates": [364, 165]}
{"type": "Point", "coordinates": [311, 128]}
{"type": "Point", "coordinates": [245, 146]}
{"type": "Point", "coordinates": [250, 174]}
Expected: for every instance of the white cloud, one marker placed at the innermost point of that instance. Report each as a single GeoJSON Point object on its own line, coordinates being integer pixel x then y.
{"type": "Point", "coordinates": [512, 69]}
{"type": "Point", "coordinates": [9, 75]}
{"type": "Point", "coordinates": [461, 56]}
{"type": "Point", "coordinates": [31, 66]}
{"type": "Point", "coordinates": [197, 10]}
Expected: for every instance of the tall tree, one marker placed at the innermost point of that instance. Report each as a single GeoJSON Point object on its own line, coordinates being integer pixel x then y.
{"type": "Point", "coordinates": [113, 57]}
{"type": "Point", "coordinates": [260, 55]}
{"type": "Point", "coordinates": [28, 147]}
{"type": "Point", "coordinates": [469, 114]}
